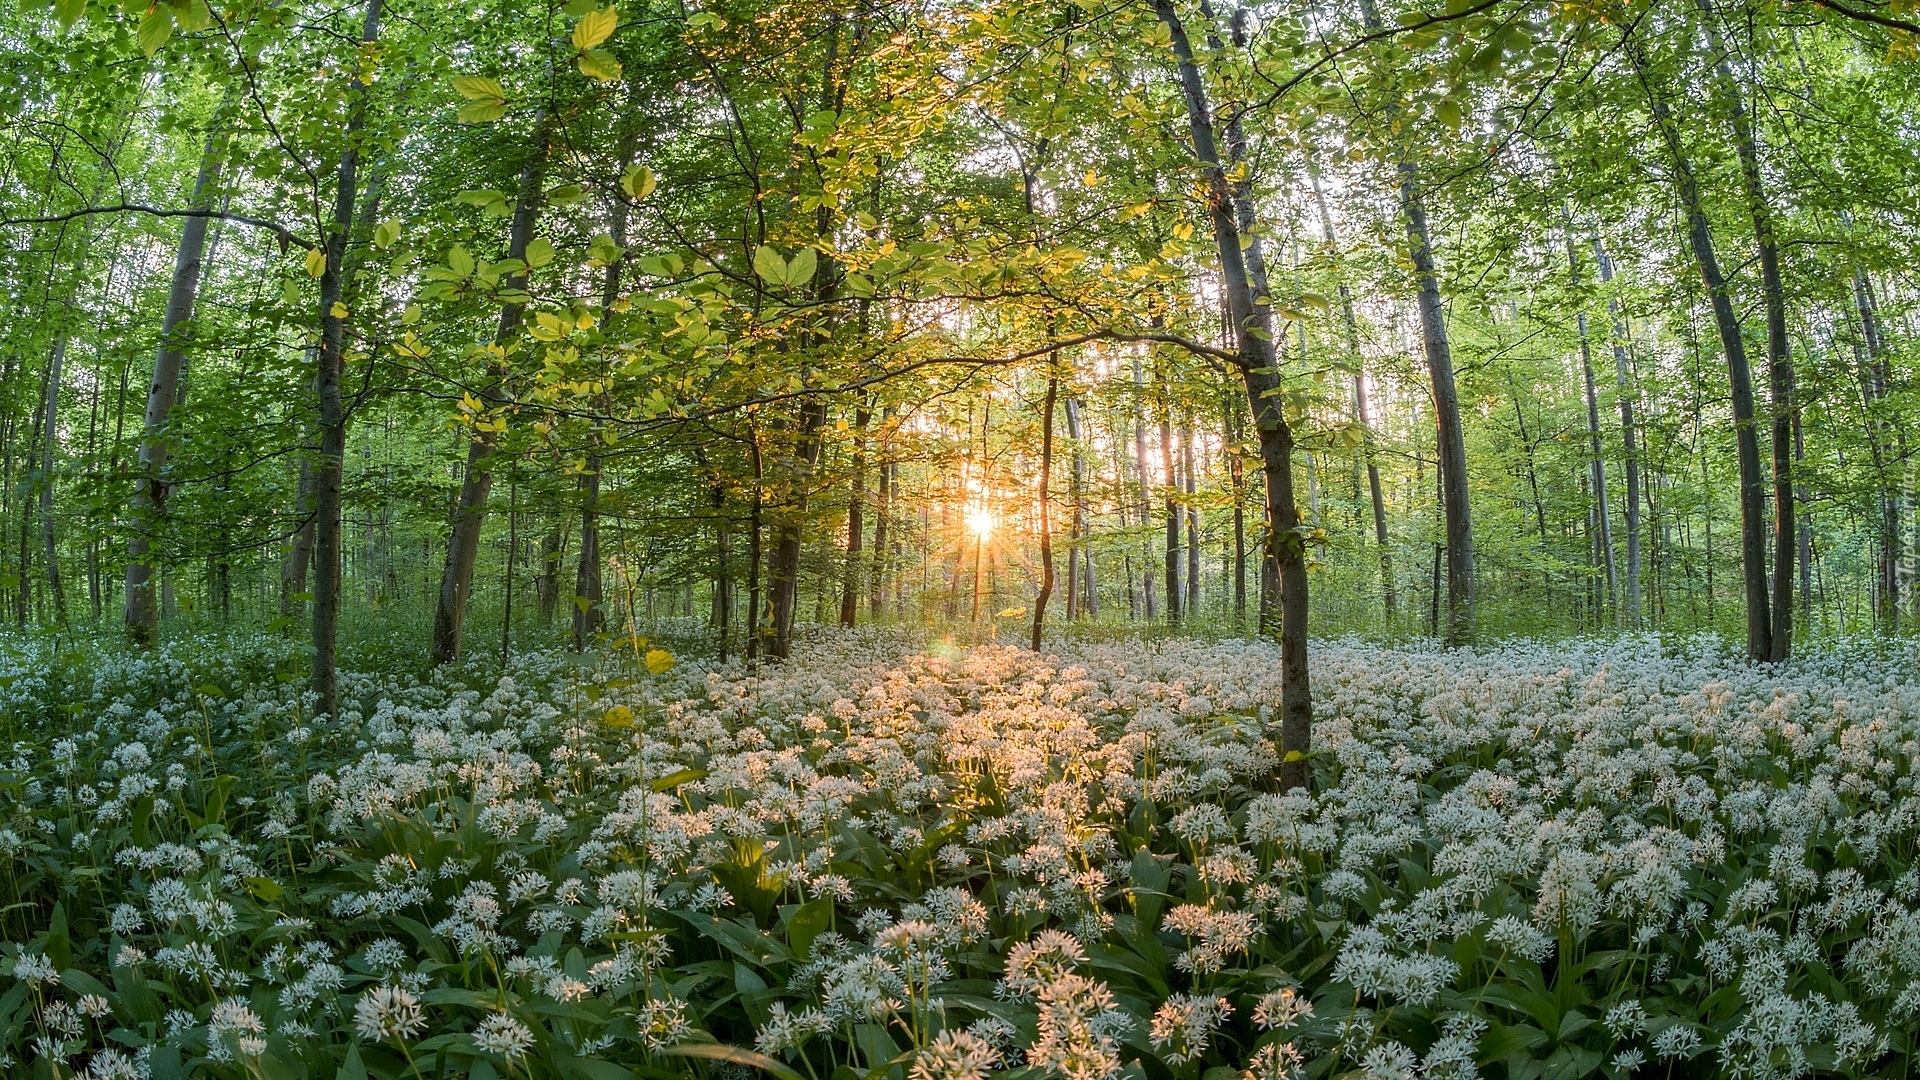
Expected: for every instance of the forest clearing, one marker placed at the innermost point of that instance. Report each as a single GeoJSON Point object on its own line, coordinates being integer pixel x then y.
{"type": "Point", "coordinates": [959, 539]}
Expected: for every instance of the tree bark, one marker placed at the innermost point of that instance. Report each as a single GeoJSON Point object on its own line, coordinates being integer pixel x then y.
{"type": "Point", "coordinates": [1046, 511]}
{"type": "Point", "coordinates": [1596, 460]}
{"type": "Point", "coordinates": [1629, 436]}
{"type": "Point", "coordinates": [470, 514]}
{"type": "Point", "coordinates": [1753, 499]}
{"type": "Point", "coordinates": [856, 522]}
{"type": "Point", "coordinates": [150, 487]}
{"type": "Point", "coordinates": [1229, 205]}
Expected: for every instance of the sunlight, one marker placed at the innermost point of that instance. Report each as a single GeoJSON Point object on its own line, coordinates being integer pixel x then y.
{"type": "Point", "coordinates": [980, 521]}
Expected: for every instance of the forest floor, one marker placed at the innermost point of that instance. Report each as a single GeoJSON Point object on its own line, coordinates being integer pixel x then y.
{"type": "Point", "coordinates": [883, 860]}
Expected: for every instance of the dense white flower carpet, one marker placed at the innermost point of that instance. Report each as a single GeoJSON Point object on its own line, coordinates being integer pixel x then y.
{"type": "Point", "coordinates": [881, 860]}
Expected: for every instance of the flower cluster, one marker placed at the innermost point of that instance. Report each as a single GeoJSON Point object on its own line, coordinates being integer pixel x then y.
{"type": "Point", "coordinates": [1594, 858]}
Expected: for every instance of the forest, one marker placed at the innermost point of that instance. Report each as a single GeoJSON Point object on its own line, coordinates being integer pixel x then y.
{"type": "Point", "coordinates": [938, 539]}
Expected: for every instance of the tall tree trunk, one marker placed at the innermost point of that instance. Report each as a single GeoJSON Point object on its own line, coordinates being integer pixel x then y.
{"type": "Point", "coordinates": [1780, 373]}
{"type": "Point", "coordinates": [1193, 520]}
{"type": "Point", "coordinates": [1629, 436]}
{"type": "Point", "coordinates": [49, 439]}
{"type": "Point", "coordinates": [333, 418]}
{"type": "Point", "coordinates": [1149, 607]}
{"type": "Point", "coordinates": [856, 522]}
{"type": "Point", "coordinates": [150, 487]}
{"type": "Point", "coordinates": [1080, 590]}
{"type": "Point", "coordinates": [1753, 498]}
{"type": "Point", "coordinates": [463, 546]}
{"type": "Point", "coordinates": [297, 567]}
{"type": "Point", "coordinates": [1230, 207]}
{"type": "Point", "coordinates": [1596, 459]}
{"type": "Point", "coordinates": [1046, 510]}
{"type": "Point", "coordinates": [882, 521]}
{"type": "Point", "coordinates": [1170, 500]}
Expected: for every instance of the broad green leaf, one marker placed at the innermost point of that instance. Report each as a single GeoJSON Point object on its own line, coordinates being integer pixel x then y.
{"type": "Point", "coordinates": [316, 262]}
{"type": "Point", "coordinates": [69, 11]}
{"type": "Point", "coordinates": [769, 265]}
{"type": "Point", "coordinates": [539, 252]}
{"type": "Point", "coordinates": [801, 267]}
{"type": "Point", "coordinates": [385, 233]}
{"type": "Point", "coordinates": [156, 26]}
{"type": "Point", "coordinates": [599, 64]}
{"type": "Point", "coordinates": [595, 27]}
{"type": "Point", "coordinates": [481, 112]}
{"type": "Point", "coordinates": [479, 88]}
{"type": "Point", "coordinates": [637, 181]}
{"type": "Point", "coordinates": [459, 260]}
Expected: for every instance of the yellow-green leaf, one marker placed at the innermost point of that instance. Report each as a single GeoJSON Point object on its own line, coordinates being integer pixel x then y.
{"type": "Point", "coordinates": [156, 26]}
{"type": "Point", "coordinates": [69, 11]}
{"type": "Point", "coordinates": [638, 181]}
{"type": "Point", "coordinates": [316, 262]}
{"type": "Point", "coordinates": [769, 265]}
{"type": "Point", "coordinates": [599, 64]}
{"type": "Point", "coordinates": [800, 269]}
{"type": "Point", "coordinates": [338, 310]}
{"type": "Point", "coordinates": [385, 233]}
{"type": "Point", "coordinates": [539, 252]}
{"type": "Point", "coordinates": [479, 88]}
{"type": "Point", "coordinates": [595, 27]}
{"type": "Point", "coordinates": [481, 112]}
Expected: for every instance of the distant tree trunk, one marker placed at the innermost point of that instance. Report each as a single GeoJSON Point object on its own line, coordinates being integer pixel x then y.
{"type": "Point", "coordinates": [1596, 459]}
{"type": "Point", "coordinates": [297, 566]}
{"type": "Point", "coordinates": [463, 546]}
{"type": "Point", "coordinates": [1629, 436]}
{"type": "Point", "coordinates": [1046, 510]}
{"type": "Point", "coordinates": [333, 419]}
{"type": "Point", "coordinates": [50, 432]}
{"type": "Point", "coordinates": [1753, 499]}
{"type": "Point", "coordinates": [1780, 373]}
{"type": "Point", "coordinates": [1231, 210]}
{"type": "Point", "coordinates": [1080, 599]}
{"type": "Point", "coordinates": [882, 521]}
{"type": "Point", "coordinates": [753, 548]}
{"type": "Point", "coordinates": [1193, 520]}
{"type": "Point", "coordinates": [1874, 383]}
{"type": "Point", "coordinates": [548, 583]}
{"type": "Point", "coordinates": [856, 523]}
{"type": "Point", "coordinates": [1148, 606]}
{"type": "Point", "coordinates": [1170, 499]}
{"type": "Point", "coordinates": [1361, 413]}
{"type": "Point", "coordinates": [150, 488]}
{"type": "Point", "coordinates": [722, 565]}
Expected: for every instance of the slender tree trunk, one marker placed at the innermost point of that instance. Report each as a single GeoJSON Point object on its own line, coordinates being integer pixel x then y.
{"type": "Point", "coordinates": [1780, 373]}
{"type": "Point", "coordinates": [1193, 521]}
{"type": "Point", "coordinates": [856, 522]}
{"type": "Point", "coordinates": [1230, 209]}
{"type": "Point", "coordinates": [1046, 511]}
{"type": "Point", "coordinates": [150, 487]}
{"type": "Point", "coordinates": [1149, 607]}
{"type": "Point", "coordinates": [1596, 459]}
{"type": "Point", "coordinates": [1170, 502]}
{"type": "Point", "coordinates": [50, 431]}
{"type": "Point", "coordinates": [333, 420]}
{"type": "Point", "coordinates": [1753, 499]}
{"type": "Point", "coordinates": [1629, 437]}
{"type": "Point", "coordinates": [463, 546]}
{"type": "Point", "coordinates": [882, 523]}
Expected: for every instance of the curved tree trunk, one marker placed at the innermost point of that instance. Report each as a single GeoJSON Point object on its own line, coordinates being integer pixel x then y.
{"type": "Point", "coordinates": [463, 546]}
{"type": "Point", "coordinates": [1230, 207]}
{"type": "Point", "coordinates": [149, 488]}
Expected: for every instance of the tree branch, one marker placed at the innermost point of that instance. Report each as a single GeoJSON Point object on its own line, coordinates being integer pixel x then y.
{"type": "Point", "coordinates": [285, 235]}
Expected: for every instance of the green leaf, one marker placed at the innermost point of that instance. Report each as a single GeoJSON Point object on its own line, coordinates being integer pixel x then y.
{"type": "Point", "coordinates": [479, 88]}
{"type": "Point", "coordinates": [385, 233]}
{"type": "Point", "coordinates": [539, 252]}
{"type": "Point", "coordinates": [801, 267]}
{"type": "Point", "coordinates": [156, 26]}
{"type": "Point", "coordinates": [733, 1054]}
{"type": "Point", "coordinates": [459, 260]}
{"type": "Point", "coordinates": [69, 11]}
{"type": "Point", "coordinates": [481, 112]}
{"type": "Point", "coordinates": [595, 27]}
{"type": "Point", "coordinates": [769, 265]}
{"type": "Point", "coordinates": [599, 64]}
{"type": "Point", "coordinates": [316, 262]}
{"type": "Point", "coordinates": [638, 181]}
